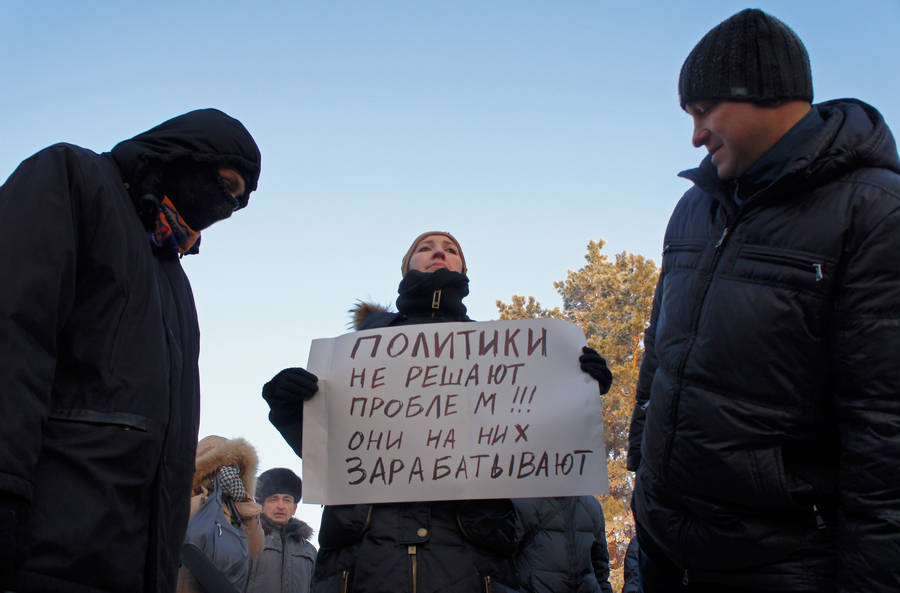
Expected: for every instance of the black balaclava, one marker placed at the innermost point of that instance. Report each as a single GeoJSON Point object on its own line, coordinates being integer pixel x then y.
{"type": "Point", "coordinates": [198, 193]}
{"type": "Point", "coordinates": [206, 139]}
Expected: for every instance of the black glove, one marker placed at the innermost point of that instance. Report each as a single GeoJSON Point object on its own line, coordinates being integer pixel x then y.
{"type": "Point", "coordinates": [594, 365]}
{"type": "Point", "coordinates": [285, 394]}
{"type": "Point", "coordinates": [290, 388]}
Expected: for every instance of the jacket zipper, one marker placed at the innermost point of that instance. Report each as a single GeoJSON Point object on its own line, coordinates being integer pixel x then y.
{"type": "Point", "coordinates": [673, 416]}
{"type": "Point", "coordinates": [797, 262]}
{"type": "Point", "coordinates": [487, 584]}
{"type": "Point", "coordinates": [411, 550]}
{"type": "Point", "coordinates": [345, 581]}
{"type": "Point", "coordinates": [820, 521]}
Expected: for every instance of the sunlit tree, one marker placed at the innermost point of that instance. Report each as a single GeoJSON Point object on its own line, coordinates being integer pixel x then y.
{"type": "Point", "coordinates": [610, 300]}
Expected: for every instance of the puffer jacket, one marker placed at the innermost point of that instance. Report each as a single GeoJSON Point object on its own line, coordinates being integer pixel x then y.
{"type": "Point", "coordinates": [100, 402]}
{"type": "Point", "coordinates": [461, 546]}
{"type": "Point", "coordinates": [287, 559]}
{"type": "Point", "coordinates": [563, 549]}
{"type": "Point", "coordinates": [765, 433]}
{"type": "Point", "coordinates": [631, 570]}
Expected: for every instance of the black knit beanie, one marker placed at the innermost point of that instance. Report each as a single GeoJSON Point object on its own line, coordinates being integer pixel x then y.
{"type": "Point", "coordinates": [751, 56]}
{"type": "Point", "coordinates": [279, 480]}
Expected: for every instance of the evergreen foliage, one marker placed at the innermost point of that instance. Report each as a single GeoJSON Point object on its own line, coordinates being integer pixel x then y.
{"type": "Point", "coordinates": [610, 300]}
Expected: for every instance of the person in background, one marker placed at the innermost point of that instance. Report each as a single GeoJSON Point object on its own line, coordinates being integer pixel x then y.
{"type": "Point", "coordinates": [460, 546]}
{"type": "Point", "coordinates": [287, 559]}
{"type": "Point", "coordinates": [630, 573]}
{"type": "Point", "coordinates": [229, 465]}
{"type": "Point", "coordinates": [765, 432]}
{"type": "Point", "coordinates": [101, 400]}
{"type": "Point", "coordinates": [563, 549]}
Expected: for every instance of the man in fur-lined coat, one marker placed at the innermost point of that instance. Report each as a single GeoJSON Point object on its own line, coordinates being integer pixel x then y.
{"type": "Point", "coordinates": [287, 559]}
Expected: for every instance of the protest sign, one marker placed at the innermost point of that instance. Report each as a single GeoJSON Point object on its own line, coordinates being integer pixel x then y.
{"type": "Point", "coordinates": [447, 411]}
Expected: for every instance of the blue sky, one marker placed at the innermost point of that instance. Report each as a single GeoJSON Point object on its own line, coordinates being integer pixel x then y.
{"type": "Point", "coordinates": [524, 128]}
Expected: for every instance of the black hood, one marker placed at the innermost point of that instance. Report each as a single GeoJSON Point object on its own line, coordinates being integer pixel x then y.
{"type": "Point", "coordinates": [204, 136]}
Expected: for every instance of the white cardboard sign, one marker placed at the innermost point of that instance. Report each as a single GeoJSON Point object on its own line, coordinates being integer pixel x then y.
{"type": "Point", "coordinates": [446, 411]}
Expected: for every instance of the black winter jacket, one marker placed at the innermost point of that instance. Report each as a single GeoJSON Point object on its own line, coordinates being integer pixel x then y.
{"type": "Point", "coordinates": [765, 433]}
{"type": "Point", "coordinates": [420, 547]}
{"type": "Point", "coordinates": [100, 399]}
{"type": "Point", "coordinates": [563, 548]}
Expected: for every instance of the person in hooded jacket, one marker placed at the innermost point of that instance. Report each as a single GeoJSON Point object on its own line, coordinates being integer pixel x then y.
{"type": "Point", "coordinates": [765, 432]}
{"type": "Point", "coordinates": [100, 403]}
{"type": "Point", "coordinates": [563, 548]}
{"type": "Point", "coordinates": [287, 559]}
{"type": "Point", "coordinates": [462, 546]}
{"type": "Point", "coordinates": [228, 465]}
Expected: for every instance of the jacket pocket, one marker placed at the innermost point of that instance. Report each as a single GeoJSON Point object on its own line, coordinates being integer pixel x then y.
{"type": "Point", "coordinates": [123, 420]}
{"type": "Point", "coordinates": [681, 254]}
{"type": "Point", "coordinates": [766, 469]}
{"type": "Point", "coordinates": [810, 272]}
{"type": "Point", "coordinates": [93, 486]}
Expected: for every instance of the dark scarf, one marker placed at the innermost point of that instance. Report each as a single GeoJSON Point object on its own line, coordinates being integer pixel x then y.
{"type": "Point", "coordinates": [172, 233]}
{"type": "Point", "coordinates": [433, 296]}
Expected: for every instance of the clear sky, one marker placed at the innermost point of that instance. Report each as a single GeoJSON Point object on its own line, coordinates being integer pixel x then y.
{"type": "Point", "coordinates": [525, 128]}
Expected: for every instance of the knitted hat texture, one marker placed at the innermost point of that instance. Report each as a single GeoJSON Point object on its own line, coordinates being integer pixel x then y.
{"type": "Point", "coordinates": [751, 56]}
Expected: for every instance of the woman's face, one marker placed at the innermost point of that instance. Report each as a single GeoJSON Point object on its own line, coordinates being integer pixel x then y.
{"type": "Point", "coordinates": [435, 252]}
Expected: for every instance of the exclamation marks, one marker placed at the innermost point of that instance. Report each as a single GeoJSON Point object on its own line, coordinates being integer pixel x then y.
{"type": "Point", "coordinates": [523, 398]}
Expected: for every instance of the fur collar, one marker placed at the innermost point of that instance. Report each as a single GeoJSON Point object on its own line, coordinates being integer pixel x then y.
{"type": "Point", "coordinates": [361, 311]}
{"type": "Point", "coordinates": [294, 527]}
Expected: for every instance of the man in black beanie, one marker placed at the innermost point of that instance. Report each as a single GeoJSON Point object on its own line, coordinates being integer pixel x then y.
{"type": "Point", "coordinates": [100, 399]}
{"type": "Point", "coordinates": [766, 431]}
{"type": "Point", "coordinates": [286, 562]}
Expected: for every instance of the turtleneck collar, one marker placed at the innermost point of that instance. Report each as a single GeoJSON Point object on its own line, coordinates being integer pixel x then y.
{"type": "Point", "coordinates": [434, 296]}
{"type": "Point", "coordinates": [780, 156]}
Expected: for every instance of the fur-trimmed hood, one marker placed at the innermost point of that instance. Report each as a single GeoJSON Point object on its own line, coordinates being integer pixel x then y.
{"type": "Point", "coordinates": [361, 311]}
{"type": "Point", "coordinates": [214, 452]}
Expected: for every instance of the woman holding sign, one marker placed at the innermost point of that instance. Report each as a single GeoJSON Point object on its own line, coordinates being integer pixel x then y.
{"type": "Point", "coordinates": [463, 546]}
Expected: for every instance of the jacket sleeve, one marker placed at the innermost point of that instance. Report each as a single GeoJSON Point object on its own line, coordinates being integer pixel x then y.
{"type": "Point", "coordinates": [38, 240]}
{"type": "Point", "coordinates": [645, 379]}
{"type": "Point", "coordinates": [599, 547]}
{"type": "Point", "coordinates": [865, 339]}
{"type": "Point", "coordinates": [38, 245]}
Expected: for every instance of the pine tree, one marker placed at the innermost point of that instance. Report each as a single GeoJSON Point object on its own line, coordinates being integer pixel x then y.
{"type": "Point", "coordinates": [610, 301]}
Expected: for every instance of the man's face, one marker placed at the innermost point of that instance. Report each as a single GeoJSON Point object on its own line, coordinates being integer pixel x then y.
{"type": "Point", "coordinates": [735, 133]}
{"type": "Point", "coordinates": [279, 507]}
{"type": "Point", "coordinates": [435, 252]}
{"type": "Point", "coordinates": [205, 194]}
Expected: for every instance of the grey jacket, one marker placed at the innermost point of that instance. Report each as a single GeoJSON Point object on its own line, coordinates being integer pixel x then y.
{"type": "Point", "coordinates": [286, 562]}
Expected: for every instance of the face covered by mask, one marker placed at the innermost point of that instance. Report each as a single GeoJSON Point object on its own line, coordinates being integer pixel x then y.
{"type": "Point", "coordinates": [199, 194]}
